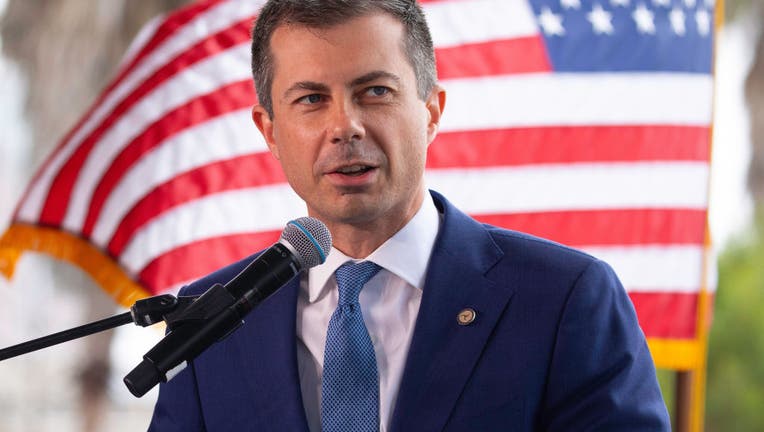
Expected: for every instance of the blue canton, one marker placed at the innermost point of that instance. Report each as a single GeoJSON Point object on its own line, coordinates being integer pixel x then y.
{"type": "Point", "coordinates": [627, 35]}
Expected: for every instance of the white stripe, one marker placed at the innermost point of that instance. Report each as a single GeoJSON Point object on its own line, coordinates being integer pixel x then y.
{"type": "Point", "coordinates": [202, 78]}
{"type": "Point", "coordinates": [213, 20]}
{"type": "Point", "coordinates": [654, 268]}
{"type": "Point", "coordinates": [218, 139]}
{"type": "Point", "coordinates": [574, 187]}
{"type": "Point", "coordinates": [547, 99]}
{"type": "Point", "coordinates": [247, 210]}
{"type": "Point", "coordinates": [453, 22]}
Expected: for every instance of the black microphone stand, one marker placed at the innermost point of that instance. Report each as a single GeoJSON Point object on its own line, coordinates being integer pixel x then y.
{"type": "Point", "coordinates": [184, 316]}
{"type": "Point", "coordinates": [143, 313]}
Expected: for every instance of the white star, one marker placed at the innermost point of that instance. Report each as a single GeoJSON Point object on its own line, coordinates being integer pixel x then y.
{"type": "Point", "coordinates": [622, 3]}
{"type": "Point", "coordinates": [601, 20]}
{"type": "Point", "coordinates": [710, 3]}
{"type": "Point", "coordinates": [689, 3]}
{"type": "Point", "coordinates": [571, 4]}
{"type": "Point", "coordinates": [551, 23]}
{"type": "Point", "coordinates": [703, 20]}
{"type": "Point", "coordinates": [664, 3]}
{"type": "Point", "coordinates": [644, 19]}
{"type": "Point", "coordinates": [676, 16]}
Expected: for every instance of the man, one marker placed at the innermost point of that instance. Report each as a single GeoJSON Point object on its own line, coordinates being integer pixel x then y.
{"type": "Point", "coordinates": [473, 328]}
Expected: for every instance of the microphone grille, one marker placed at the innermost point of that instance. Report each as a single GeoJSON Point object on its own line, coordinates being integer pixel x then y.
{"type": "Point", "coordinates": [310, 239]}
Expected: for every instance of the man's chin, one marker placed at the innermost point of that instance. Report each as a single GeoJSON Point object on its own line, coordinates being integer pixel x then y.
{"type": "Point", "coordinates": [349, 210]}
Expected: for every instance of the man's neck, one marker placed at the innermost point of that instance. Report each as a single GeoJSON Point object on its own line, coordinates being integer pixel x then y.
{"type": "Point", "coordinates": [359, 240]}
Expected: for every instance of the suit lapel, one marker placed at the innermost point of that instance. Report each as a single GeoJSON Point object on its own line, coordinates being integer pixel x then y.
{"type": "Point", "coordinates": [272, 376]}
{"type": "Point", "coordinates": [443, 352]}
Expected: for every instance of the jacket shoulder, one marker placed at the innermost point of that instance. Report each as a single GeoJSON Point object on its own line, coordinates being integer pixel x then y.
{"type": "Point", "coordinates": [539, 253]}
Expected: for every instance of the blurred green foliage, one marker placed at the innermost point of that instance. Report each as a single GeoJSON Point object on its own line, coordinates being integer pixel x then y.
{"type": "Point", "coordinates": [667, 381]}
{"type": "Point", "coordinates": [735, 381]}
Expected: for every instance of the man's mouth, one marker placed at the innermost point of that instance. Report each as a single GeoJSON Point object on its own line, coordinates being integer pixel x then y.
{"type": "Point", "coordinates": [354, 170]}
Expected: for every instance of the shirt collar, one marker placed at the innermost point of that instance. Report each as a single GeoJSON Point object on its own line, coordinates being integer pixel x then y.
{"type": "Point", "coordinates": [405, 254]}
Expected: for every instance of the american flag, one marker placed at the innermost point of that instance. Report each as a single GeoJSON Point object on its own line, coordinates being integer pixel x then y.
{"type": "Point", "coordinates": [587, 122]}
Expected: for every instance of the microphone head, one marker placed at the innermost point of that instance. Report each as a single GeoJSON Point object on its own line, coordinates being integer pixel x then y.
{"type": "Point", "coordinates": [309, 239]}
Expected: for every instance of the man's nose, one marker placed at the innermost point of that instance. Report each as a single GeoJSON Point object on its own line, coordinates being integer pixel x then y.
{"type": "Point", "coordinates": [346, 124]}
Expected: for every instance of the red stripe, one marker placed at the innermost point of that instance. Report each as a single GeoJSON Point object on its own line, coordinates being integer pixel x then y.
{"type": "Point", "coordinates": [59, 194]}
{"type": "Point", "coordinates": [666, 315]}
{"type": "Point", "coordinates": [194, 260]}
{"type": "Point", "coordinates": [565, 144]}
{"type": "Point", "coordinates": [496, 57]}
{"type": "Point", "coordinates": [608, 227]}
{"type": "Point", "coordinates": [246, 171]}
{"type": "Point", "coordinates": [227, 99]}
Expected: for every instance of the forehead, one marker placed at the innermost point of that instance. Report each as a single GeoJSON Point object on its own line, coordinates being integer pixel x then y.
{"type": "Point", "coordinates": [340, 52]}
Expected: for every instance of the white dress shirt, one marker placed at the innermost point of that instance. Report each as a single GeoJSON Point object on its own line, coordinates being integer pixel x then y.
{"type": "Point", "coordinates": [389, 303]}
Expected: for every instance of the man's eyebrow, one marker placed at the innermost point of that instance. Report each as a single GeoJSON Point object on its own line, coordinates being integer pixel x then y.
{"type": "Point", "coordinates": [307, 85]}
{"type": "Point", "coordinates": [374, 75]}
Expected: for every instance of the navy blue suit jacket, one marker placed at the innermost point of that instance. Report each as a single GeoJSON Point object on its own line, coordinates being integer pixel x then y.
{"type": "Point", "coordinates": [555, 346]}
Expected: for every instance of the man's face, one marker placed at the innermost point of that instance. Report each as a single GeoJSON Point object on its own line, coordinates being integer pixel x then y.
{"type": "Point", "coordinates": [348, 127]}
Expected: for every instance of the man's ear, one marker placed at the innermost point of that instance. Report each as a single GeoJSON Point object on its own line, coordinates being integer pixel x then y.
{"type": "Point", "coordinates": [435, 104]}
{"type": "Point", "coordinates": [263, 122]}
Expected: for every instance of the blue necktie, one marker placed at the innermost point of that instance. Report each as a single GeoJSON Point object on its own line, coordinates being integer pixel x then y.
{"type": "Point", "coordinates": [350, 386]}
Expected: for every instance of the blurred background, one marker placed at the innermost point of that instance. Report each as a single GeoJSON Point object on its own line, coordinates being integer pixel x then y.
{"type": "Point", "coordinates": [57, 56]}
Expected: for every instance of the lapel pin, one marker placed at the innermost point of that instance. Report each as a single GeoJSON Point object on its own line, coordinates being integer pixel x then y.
{"type": "Point", "coordinates": [466, 316]}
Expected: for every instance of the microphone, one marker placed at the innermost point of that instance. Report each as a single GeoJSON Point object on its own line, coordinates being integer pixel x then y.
{"type": "Point", "coordinates": [303, 244]}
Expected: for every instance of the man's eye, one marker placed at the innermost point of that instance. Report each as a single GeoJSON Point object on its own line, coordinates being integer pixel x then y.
{"type": "Point", "coordinates": [378, 91]}
{"type": "Point", "coordinates": [310, 99]}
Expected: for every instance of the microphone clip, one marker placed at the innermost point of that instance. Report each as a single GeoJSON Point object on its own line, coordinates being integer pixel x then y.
{"type": "Point", "coordinates": [176, 311]}
{"type": "Point", "coordinates": [190, 309]}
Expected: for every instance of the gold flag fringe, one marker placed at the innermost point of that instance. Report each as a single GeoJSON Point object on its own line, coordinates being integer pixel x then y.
{"type": "Point", "coordinates": [676, 354]}
{"type": "Point", "coordinates": [65, 246]}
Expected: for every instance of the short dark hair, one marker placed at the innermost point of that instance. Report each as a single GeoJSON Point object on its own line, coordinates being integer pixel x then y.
{"type": "Point", "coordinates": [327, 13]}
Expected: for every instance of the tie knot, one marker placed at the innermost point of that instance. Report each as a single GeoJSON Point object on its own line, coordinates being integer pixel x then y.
{"type": "Point", "coordinates": [351, 277]}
